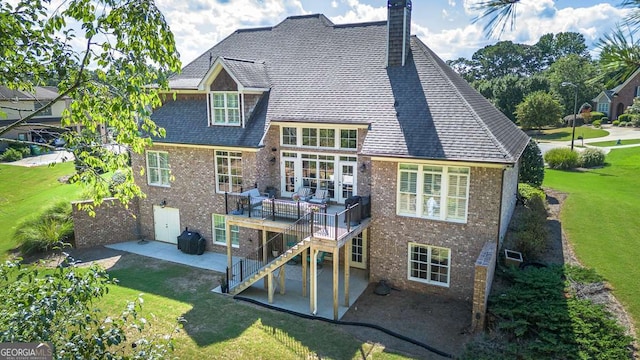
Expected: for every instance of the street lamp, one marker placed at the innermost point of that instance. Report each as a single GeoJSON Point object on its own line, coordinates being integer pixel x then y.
{"type": "Point", "coordinates": [575, 110]}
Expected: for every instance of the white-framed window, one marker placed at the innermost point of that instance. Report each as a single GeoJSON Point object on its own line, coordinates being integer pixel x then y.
{"type": "Point", "coordinates": [603, 108]}
{"type": "Point", "coordinates": [228, 171]}
{"type": "Point", "coordinates": [327, 138]}
{"type": "Point", "coordinates": [429, 264]}
{"type": "Point", "coordinates": [220, 231]}
{"type": "Point", "coordinates": [349, 139]}
{"type": "Point", "coordinates": [46, 112]}
{"type": "Point", "coordinates": [433, 192]}
{"type": "Point", "coordinates": [158, 172]}
{"type": "Point", "coordinates": [225, 108]}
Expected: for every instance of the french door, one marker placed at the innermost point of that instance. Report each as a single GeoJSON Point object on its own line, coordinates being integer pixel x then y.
{"type": "Point", "coordinates": [333, 173]}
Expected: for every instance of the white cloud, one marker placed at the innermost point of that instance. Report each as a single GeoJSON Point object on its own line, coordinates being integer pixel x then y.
{"type": "Point", "coordinates": [200, 24]}
{"type": "Point", "coordinates": [334, 4]}
{"type": "Point", "coordinates": [452, 3]}
{"type": "Point", "coordinates": [360, 13]}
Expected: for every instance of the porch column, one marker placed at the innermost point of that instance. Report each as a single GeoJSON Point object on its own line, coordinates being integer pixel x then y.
{"type": "Point", "coordinates": [313, 300]}
{"type": "Point", "coordinates": [270, 289]}
{"type": "Point", "coordinates": [227, 231]}
{"type": "Point", "coordinates": [264, 253]}
{"type": "Point", "coordinates": [305, 264]}
{"type": "Point", "coordinates": [282, 275]}
{"type": "Point", "coordinates": [347, 267]}
{"type": "Point", "coordinates": [336, 280]}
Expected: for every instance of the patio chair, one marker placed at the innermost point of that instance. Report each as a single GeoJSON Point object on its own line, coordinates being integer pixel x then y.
{"type": "Point", "coordinates": [303, 193]}
{"type": "Point", "coordinates": [320, 197]}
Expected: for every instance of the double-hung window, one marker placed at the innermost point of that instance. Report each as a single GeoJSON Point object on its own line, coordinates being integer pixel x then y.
{"type": "Point", "coordinates": [228, 171]}
{"type": "Point", "coordinates": [433, 192]}
{"type": "Point", "coordinates": [225, 108]}
{"type": "Point", "coordinates": [349, 139]}
{"type": "Point", "coordinates": [220, 231]}
{"type": "Point", "coordinates": [158, 172]}
{"type": "Point", "coordinates": [429, 264]}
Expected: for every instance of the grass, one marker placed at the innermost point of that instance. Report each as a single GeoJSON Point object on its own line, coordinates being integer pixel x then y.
{"type": "Point", "coordinates": [222, 328]}
{"type": "Point", "coordinates": [27, 191]}
{"type": "Point", "coordinates": [564, 134]}
{"type": "Point", "coordinates": [615, 142]}
{"type": "Point", "coordinates": [600, 217]}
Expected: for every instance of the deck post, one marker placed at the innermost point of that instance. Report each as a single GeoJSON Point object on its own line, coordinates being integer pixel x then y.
{"type": "Point", "coordinates": [336, 280]}
{"type": "Point", "coordinates": [228, 241]}
{"type": "Point", "coordinates": [347, 267]}
{"type": "Point", "coordinates": [270, 289]}
{"type": "Point", "coordinates": [282, 276]}
{"type": "Point", "coordinates": [305, 255]}
{"type": "Point", "coordinates": [264, 252]}
{"type": "Point", "coordinates": [313, 300]}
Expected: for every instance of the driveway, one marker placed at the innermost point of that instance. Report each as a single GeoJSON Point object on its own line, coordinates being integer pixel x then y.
{"type": "Point", "coordinates": [57, 156]}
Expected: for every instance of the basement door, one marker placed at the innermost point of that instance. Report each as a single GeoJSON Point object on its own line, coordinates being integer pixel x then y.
{"type": "Point", "coordinates": [166, 222]}
{"type": "Point", "coordinates": [359, 251]}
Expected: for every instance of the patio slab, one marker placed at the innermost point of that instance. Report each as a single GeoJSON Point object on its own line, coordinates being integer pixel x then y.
{"type": "Point", "coordinates": [292, 300]}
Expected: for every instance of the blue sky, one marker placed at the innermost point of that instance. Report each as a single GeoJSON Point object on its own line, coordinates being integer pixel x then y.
{"type": "Point", "coordinates": [444, 25]}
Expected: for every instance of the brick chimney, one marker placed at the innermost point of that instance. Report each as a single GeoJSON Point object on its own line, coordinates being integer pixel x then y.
{"type": "Point", "coordinates": [398, 31]}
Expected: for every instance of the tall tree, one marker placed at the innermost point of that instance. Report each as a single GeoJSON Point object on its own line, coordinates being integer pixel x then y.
{"type": "Point", "coordinates": [538, 109]}
{"type": "Point", "coordinates": [127, 45]}
{"type": "Point", "coordinates": [619, 56]}
{"type": "Point", "coordinates": [504, 58]}
{"type": "Point", "coordinates": [552, 47]}
{"type": "Point", "coordinates": [578, 71]}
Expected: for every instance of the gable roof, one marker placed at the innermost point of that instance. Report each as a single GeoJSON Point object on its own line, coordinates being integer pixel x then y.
{"type": "Point", "coordinates": [39, 93]}
{"type": "Point", "coordinates": [319, 72]}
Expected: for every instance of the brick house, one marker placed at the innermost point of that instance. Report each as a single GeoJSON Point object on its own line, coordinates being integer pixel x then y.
{"type": "Point", "coordinates": [614, 102]}
{"type": "Point", "coordinates": [357, 109]}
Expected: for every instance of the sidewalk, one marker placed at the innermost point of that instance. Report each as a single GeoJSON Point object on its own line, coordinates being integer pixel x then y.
{"type": "Point", "coordinates": [615, 133]}
{"type": "Point", "coordinates": [57, 156]}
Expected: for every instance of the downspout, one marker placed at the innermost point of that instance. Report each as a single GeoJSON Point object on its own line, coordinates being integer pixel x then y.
{"type": "Point", "coordinates": [500, 215]}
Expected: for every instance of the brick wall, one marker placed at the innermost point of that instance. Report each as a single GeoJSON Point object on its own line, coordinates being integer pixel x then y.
{"type": "Point", "coordinates": [112, 224]}
{"type": "Point", "coordinates": [485, 267]}
{"type": "Point", "coordinates": [624, 98]}
{"type": "Point", "coordinates": [193, 192]}
{"type": "Point", "coordinates": [390, 233]}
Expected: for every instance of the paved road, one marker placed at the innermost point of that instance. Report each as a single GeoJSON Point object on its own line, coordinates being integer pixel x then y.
{"type": "Point", "coordinates": [615, 133]}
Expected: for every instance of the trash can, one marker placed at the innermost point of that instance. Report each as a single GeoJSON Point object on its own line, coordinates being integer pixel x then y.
{"type": "Point", "coordinates": [355, 215]}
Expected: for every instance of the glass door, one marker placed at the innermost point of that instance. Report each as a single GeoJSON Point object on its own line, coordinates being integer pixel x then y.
{"type": "Point", "coordinates": [347, 180]}
{"type": "Point", "coordinates": [289, 184]}
{"type": "Point", "coordinates": [359, 251]}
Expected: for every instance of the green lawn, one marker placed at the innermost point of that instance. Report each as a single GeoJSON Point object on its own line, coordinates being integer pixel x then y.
{"type": "Point", "coordinates": [600, 217]}
{"type": "Point", "coordinates": [615, 142]}
{"type": "Point", "coordinates": [218, 327]}
{"type": "Point", "coordinates": [27, 191]}
{"type": "Point", "coordinates": [564, 134]}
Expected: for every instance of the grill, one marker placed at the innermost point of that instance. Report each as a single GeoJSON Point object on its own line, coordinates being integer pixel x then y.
{"type": "Point", "coordinates": [191, 242]}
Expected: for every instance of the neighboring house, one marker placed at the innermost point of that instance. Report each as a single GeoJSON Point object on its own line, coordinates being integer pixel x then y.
{"type": "Point", "coordinates": [17, 104]}
{"type": "Point", "coordinates": [614, 102]}
{"type": "Point", "coordinates": [360, 109]}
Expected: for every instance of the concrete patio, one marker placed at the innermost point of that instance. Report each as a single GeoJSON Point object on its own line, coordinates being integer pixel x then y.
{"type": "Point", "coordinates": [292, 300]}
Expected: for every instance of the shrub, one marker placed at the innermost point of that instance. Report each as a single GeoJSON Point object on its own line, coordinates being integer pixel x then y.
{"type": "Point", "coordinates": [622, 123]}
{"type": "Point", "coordinates": [11, 155]}
{"type": "Point", "coordinates": [594, 115]}
{"type": "Point", "coordinates": [53, 228]}
{"type": "Point", "coordinates": [635, 121]}
{"type": "Point", "coordinates": [597, 123]}
{"type": "Point", "coordinates": [615, 122]}
{"type": "Point", "coordinates": [624, 117]}
{"type": "Point", "coordinates": [629, 124]}
{"type": "Point", "coordinates": [604, 120]}
{"type": "Point", "coordinates": [23, 148]}
{"type": "Point", "coordinates": [532, 166]}
{"type": "Point", "coordinates": [526, 192]}
{"type": "Point", "coordinates": [591, 157]}
{"type": "Point", "coordinates": [561, 158]}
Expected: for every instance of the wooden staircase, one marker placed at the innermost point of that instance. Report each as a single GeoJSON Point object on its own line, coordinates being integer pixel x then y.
{"type": "Point", "coordinates": [272, 266]}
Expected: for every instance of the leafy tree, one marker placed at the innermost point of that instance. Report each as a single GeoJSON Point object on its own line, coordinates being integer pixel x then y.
{"type": "Point", "coordinates": [552, 47]}
{"type": "Point", "coordinates": [532, 165]}
{"type": "Point", "coordinates": [507, 91]}
{"type": "Point", "coordinates": [578, 71]}
{"type": "Point", "coordinates": [504, 58]}
{"type": "Point", "coordinates": [56, 306]}
{"type": "Point", "coordinates": [468, 69]}
{"type": "Point", "coordinates": [619, 57]}
{"type": "Point", "coordinates": [537, 110]}
{"type": "Point", "coordinates": [127, 45]}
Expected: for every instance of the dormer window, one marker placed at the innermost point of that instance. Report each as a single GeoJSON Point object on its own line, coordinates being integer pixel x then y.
{"type": "Point", "coordinates": [226, 108]}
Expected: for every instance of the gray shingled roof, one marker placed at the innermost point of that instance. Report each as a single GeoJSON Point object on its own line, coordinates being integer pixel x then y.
{"type": "Point", "coordinates": [324, 73]}
{"type": "Point", "coordinates": [249, 73]}
{"type": "Point", "coordinates": [39, 93]}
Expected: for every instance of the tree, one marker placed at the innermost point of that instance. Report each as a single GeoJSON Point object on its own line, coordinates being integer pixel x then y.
{"type": "Point", "coordinates": [619, 57]}
{"type": "Point", "coordinates": [127, 45]}
{"type": "Point", "coordinates": [504, 58]}
{"type": "Point", "coordinates": [552, 47]}
{"type": "Point", "coordinates": [57, 307]}
{"type": "Point", "coordinates": [579, 71]}
{"type": "Point", "coordinates": [537, 110]}
{"type": "Point", "coordinates": [532, 165]}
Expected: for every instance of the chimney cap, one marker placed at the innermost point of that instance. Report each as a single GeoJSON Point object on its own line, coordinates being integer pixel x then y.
{"type": "Point", "coordinates": [399, 3]}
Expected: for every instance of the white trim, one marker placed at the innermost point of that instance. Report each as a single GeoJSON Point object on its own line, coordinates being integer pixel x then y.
{"type": "Point", "coordinates": [215, 147]}
{"type": "Point", "coordinates": [337, 138]}
{"type": "Point", "coordinates": [404, 36]}
{"type": "Point", "coordinates": [409, 160]}
{"type": "Point", "coordinates": [213, 228]}
{"type": "Point", "coordinates": [159, 168]}
{"type": "Point", "coordinates": [241, 104]}
{"type": "Point", "coordinates": [319, 125]}
{"type": "Point", "coordinates": [227, 109]}
{"type": "Point", "coordinates": [215, 165]}
{"type": "Point", "coordinates": [429, 248]}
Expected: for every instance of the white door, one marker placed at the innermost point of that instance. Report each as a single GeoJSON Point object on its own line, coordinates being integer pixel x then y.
{"type": "Point", "coordinates": [346, 181]}
{"type": "Point", "coordinates": [359, 251]}
{"type": "Point", "coordinates": [166, 223]}
{"type": "Point", "coordinates": [289, 184]}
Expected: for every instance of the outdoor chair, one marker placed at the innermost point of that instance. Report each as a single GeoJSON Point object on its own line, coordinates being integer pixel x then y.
{"type": "Point", "coordinates": [320, 197]}
{"type": "Point", "coordinates": [303, 193]}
